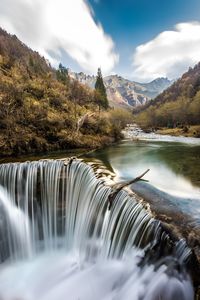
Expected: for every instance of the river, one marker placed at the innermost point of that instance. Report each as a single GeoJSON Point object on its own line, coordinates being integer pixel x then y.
{"type": "Point", "coordinates": [174, 165]}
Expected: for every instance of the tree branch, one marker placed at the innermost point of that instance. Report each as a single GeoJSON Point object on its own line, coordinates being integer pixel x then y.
{"type": "Point", "coordinates": [119, 186]}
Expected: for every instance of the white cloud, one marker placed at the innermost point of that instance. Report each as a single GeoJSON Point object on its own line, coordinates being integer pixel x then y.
{"type": "Point", "coordinates": [55, 27]}
{"type": "Point", "coordinates": [169, 54]}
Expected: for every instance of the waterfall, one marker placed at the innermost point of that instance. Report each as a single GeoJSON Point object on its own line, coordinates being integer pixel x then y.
{"type": "Point", "coordinates": [55, 222]}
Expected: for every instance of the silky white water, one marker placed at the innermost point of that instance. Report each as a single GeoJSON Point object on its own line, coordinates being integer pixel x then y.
{"type": "Point", "coordinates": [58, 240]}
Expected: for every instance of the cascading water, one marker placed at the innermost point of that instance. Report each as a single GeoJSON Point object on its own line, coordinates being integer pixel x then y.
{"type": "Point", "coordinates": [58, 240]}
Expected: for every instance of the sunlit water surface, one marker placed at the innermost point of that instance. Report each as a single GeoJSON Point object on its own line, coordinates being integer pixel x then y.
{"type": "Point", "coordinates": [174, 166]}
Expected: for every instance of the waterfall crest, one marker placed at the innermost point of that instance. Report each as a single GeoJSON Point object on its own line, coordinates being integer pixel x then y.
{"type": "Point", "coordinates": [50, 207]}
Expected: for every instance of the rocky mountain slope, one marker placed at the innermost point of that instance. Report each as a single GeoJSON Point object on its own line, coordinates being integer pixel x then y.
{"type": "Point", "coordinates": [123, 92]}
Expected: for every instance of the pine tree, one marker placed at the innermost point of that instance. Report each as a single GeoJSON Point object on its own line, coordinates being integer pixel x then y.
{"type": "Point", "coordinates": [62, 74]}
{"type": "Point", "coordinates": [101, 90]}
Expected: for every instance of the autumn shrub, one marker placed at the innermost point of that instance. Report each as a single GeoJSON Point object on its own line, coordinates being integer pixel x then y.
{"type": "Point", "coordinates": [56, 103]}
{"type": "Point", "coordinates": [39, 109]}
{"type": "Point", "coordinates": [120, 117]}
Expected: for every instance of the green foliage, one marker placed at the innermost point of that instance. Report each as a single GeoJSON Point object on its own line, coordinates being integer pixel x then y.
{"type": "Point", "coordinates": [101, 96]}
{"type": "Point", "coordinates": [107, 124]}
{"type": "Point", "coordinates": [121, 117]}
{"type": "Point", "coordinates": [62, 75]}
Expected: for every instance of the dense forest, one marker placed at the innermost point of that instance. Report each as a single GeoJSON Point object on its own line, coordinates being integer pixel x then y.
{"type": "Point", "coordinates": [40, 107]}
{"type": "Point", "coordinates": [177, 106]}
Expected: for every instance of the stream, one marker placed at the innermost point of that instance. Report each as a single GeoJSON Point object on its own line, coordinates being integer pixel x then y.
{"type": "Point", "coordinates": [174, 164]}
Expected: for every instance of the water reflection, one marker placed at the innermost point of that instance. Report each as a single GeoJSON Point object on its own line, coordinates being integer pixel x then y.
{"type": "Point", "coordinates": [173, 167]}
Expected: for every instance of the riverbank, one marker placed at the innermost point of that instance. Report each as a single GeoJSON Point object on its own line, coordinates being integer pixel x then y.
{"type": "Point", "coordinates": [176, 223]}
{"type": "Point", "coordinates": [135, 133]}
{"type": "Point", "coordinates": [187, 131]}
{"type": "Point", "coordinates": [25, 146]}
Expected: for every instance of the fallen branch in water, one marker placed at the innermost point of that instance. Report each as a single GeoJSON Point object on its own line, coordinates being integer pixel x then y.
{"type": "Point", "coordinates": [119, 186]}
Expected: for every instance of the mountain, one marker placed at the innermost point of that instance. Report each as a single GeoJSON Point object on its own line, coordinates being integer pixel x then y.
{"type": "Point", "coordinates": [40, 107]}
{"type": "Point", "coordinates": [177, 106]}
{"type": "Point", "coordinates": [156, 86]}
{"type": "Point", "coordinates": [123, 92]}
{"type": "Point", "coordinates": [132, 93]}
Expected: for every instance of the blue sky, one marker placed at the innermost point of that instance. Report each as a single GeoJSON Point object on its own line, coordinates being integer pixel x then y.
{"type": "Point", "coordinates": [134, 22]}
{"type": "Point", "coordinates": [138, 39]}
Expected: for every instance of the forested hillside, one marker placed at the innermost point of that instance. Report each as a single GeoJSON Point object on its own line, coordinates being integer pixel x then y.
{"type": "Point", "coordinates": [40, 107]}
{"type": "Point", "coordinates": [177, 106]}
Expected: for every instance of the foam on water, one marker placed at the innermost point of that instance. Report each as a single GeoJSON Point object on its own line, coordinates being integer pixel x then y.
{"type": "Point", "coordinates": [58, 275]}
{"type": "Point", "coordinates": [58, 240]}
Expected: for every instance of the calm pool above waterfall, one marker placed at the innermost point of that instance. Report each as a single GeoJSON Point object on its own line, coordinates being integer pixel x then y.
{"type": "Point", "coordinates": [174, 166]}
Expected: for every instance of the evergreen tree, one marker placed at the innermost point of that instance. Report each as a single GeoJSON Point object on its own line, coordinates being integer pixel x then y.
{"type": "Point", "coordinates": [62, 74]}
{"type": "Point", "coordinates": [101, 91]}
